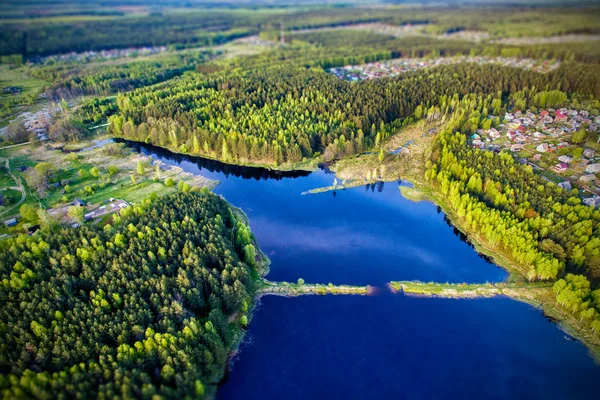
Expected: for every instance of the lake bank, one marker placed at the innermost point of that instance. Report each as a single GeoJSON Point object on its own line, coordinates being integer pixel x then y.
{"type": "Point", "coordinates": [308, 165]}
{"type": "Point", "coordinates": [331, 237]}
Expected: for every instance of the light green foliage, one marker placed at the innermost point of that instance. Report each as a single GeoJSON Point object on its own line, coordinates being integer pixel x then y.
{"type": "Point", "coordinates": [183, 187]}
{"type": "Point", "coordinates": [574, 293]}
{"type": "Point", "coordinates": [76, 213]}
{"type": "Point", "coordinates": [46, 169]}
{"type": "Point", "coordinates": [140, 168]}
{"type": "Point", "coordinates": [300, 281]}
{"type": "Point", "coordinates": [250, 254]}
{"type": "Point", "coordinates": [28, 212]}
{"type": "Point", "coordinates": [580, 136]}
{"type": "Point", "coordinates": [113, 170]}
{"type": "Point", "coordinates": [182, 331]}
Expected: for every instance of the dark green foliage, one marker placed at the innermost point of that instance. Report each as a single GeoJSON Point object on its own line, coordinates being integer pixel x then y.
{"type": "Point", "coordinates": [182, 29]}
{"type": "Point", "coordinates": [133, 309]}
{"type": "Point", "coordinates": [76, 79]}
{"type": "Point", "coordinates": [283, 114]}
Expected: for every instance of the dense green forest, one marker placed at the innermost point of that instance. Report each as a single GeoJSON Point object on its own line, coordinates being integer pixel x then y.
{"type": "Point", "coordinates": [73, 79]}
{"type": "Point", "coordinates": [148, 305]}
{"type": "Point", "coordinates": [101, 26]}
{"type": "Point", "coordinates": [35, 38]}
{"type": "Point", "coordinates": [347, 43]}
{"type": "Point", "coordinates": [286, 114]}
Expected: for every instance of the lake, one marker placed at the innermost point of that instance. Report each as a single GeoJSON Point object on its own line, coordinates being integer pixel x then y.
{"type": "Point", "coordinates": [382, 345]}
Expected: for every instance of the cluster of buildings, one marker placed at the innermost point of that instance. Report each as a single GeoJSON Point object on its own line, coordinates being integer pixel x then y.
{"type": "Point", "coordinates": [100, 54]}
{"type": "Point", "coordinates": [38, 122]}
{"type": "Point", "coordinates": [399, 66]}
{"type": "Point", "coordinates": [12, 90]}
{"type": "Point", "coordinates": [544, 139]}
{"type": "Point", "coordinates": [109, 206]}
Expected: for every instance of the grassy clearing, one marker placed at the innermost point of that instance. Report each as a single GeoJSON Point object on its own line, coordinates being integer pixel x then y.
{"type": "Point", "coordinates": [410, 164]}
{"type": "Point", "coordinates": [17, 76]}
{"type": "Point", "coordinates": [30, 89]}
{"type": "Point", "coordinates": [412, 193]}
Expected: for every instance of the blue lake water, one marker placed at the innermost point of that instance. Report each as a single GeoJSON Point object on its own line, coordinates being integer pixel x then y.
{"type": "Point", "coordinates": [356, 236]}
{"type": "Point", "coordinates": [382, 345]}
{"type": "Point", "coordinates": [388, 346]}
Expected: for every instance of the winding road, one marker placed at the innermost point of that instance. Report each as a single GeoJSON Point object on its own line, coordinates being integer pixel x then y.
{"type": "Point", "coordinates": [19, 186]}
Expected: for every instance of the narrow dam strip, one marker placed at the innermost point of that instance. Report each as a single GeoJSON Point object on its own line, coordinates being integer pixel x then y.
{"type": "Point", "coordinates": [530, 292]}
{"type": "Point", "coordinates": [288, 289]}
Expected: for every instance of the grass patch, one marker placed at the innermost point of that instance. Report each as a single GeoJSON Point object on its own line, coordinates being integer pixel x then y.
{"type": "Point", "coordinates": [412, 193]}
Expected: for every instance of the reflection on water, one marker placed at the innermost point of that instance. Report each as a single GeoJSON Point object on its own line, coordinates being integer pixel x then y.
{"type": "Point", "coordinates": [215, 166]}
{"type": "Point", "coordinates": [351, 236]}
{"type": "Point", "coordinates": [462, 236]}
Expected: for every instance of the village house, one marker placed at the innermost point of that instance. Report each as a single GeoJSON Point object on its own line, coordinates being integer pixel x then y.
{"type": "Point", "coordinates": [520, 139]}
{"type": "Point", "coordinates": [560, 168]}
{"type": "Point", "coordinates": [11, 222]}
{"type": "Point", "coordinates": [588, 153]}
{"type": "Point", "coordinates": [542, 148]}
{"type": "Point", "coordinates": [565, 159]}
{"type": "Point", "coordinates": [592, 201]}
{"type": "Point", "coordinates": [478, 143]}
{"type": "Point", "coordinates": [537, 157]}
{"type": "Point", "coordinates": [559, 117]}
{"type": "Point", "coordinates": [565, 185]}
{"type": "Point", "coordinates": [547, 119]}
{"type": "Point", "coordinates": [516, 147]}
{"type": "Point", "coordinates": [587, 178]}
{"type": "Point", "coordinates": [593, 168]}
{"type": "Point", "coordinates": [78, 203]}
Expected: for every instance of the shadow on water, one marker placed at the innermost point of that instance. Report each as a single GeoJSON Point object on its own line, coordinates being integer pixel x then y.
{"type": "Point", "coordinates": [214, 166]}
{"type": "Point", "coordinates": [462, 236]}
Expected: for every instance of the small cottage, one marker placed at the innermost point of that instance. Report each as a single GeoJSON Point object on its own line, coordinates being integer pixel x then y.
{"type": "Point", "coordinates": [565, 185]}
{"type": "Point", "coordinates": [588, 153]}
{"type": "Point", "coordinates": [593, 168]}
{"type": "Point", "coordinates": [542, 148]}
